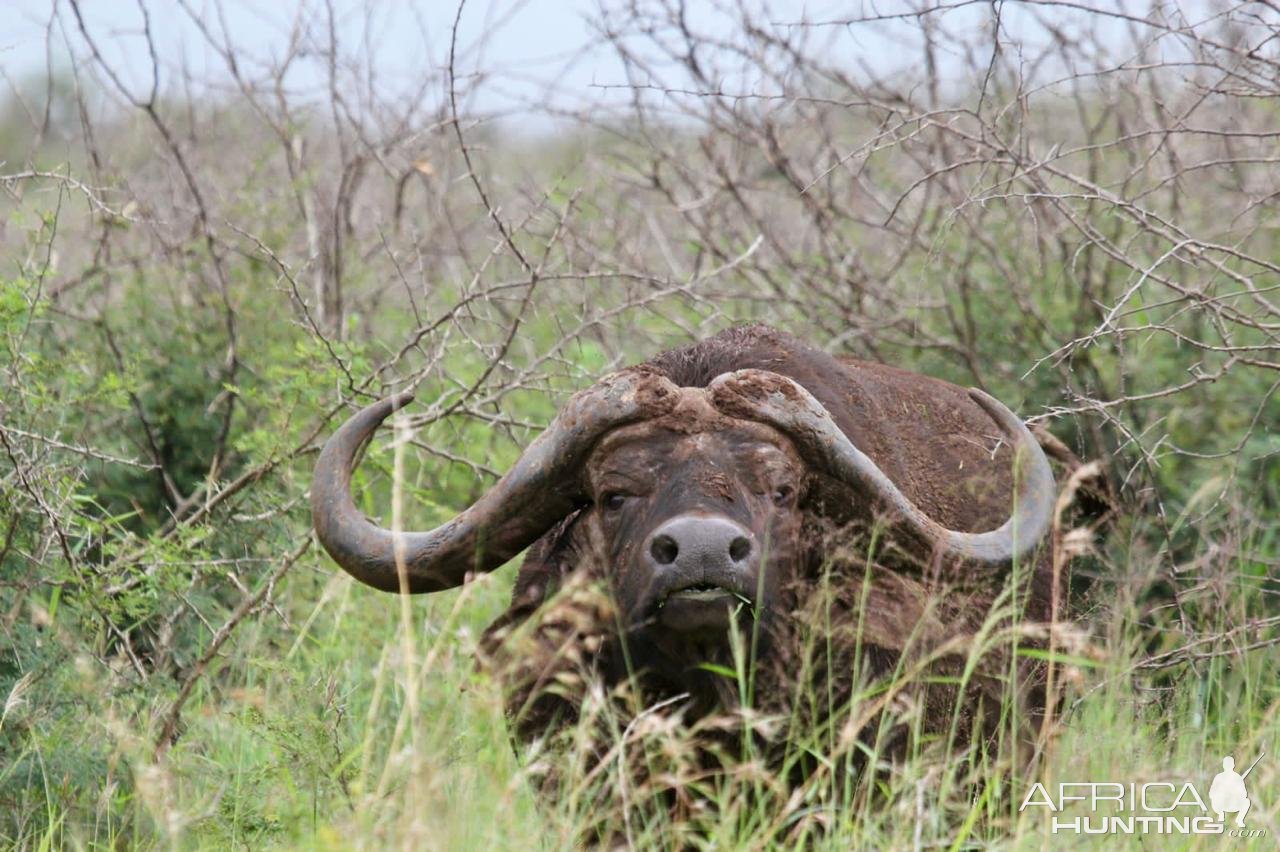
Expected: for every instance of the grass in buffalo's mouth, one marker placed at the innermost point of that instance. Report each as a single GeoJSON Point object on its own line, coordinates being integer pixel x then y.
{"type": "Point", "coordinates": [699, 587]}
{"type": "Point", "coordinates": [707, 591]}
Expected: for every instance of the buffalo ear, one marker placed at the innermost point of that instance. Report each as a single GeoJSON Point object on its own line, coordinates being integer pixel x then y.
{"type": "Point", "coordinates": [827, 497]}
{"type": "Point", "coordinates": [548, 561]}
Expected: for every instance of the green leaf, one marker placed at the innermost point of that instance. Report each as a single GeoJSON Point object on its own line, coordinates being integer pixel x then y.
{"type": "Point", "coordinates": [715, 668]}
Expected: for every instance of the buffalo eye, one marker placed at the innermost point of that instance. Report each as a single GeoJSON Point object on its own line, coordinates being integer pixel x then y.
{"type": "Point", "coordinates": [782, 494]}
{"type": "Point", "coordinates": [613, 500]}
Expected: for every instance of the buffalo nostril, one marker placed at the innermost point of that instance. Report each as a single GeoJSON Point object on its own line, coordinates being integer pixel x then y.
{"type": "Point", "coordinates": [739, 549]}
{"type": "Point", "coordinates": [664, 549]}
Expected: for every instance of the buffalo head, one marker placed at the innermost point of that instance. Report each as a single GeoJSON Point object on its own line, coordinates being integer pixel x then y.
{"type": "Point", "coordinates": [695, 513]}
{"type": "Point", "coordinates": [692, 494]}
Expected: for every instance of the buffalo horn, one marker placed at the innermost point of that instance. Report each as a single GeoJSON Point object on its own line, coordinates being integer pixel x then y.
{"type": "Point", "coordinates": [774, 399]}
{"type": "Point", "coordinates": [539, 490]}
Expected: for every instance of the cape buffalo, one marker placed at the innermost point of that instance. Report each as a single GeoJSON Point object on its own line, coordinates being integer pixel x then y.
{"type": "Point", "coordinates": [713, 489]}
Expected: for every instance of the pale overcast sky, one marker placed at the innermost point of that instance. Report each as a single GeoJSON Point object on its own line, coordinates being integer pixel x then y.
{"type": "Point", "coordinates": [540, 39]}
{"type": "Point", "coordinates": [527, 43]}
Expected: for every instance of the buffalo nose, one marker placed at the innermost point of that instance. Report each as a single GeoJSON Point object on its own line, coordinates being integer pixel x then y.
{"type": "Point", "coordinates": [700, 541]}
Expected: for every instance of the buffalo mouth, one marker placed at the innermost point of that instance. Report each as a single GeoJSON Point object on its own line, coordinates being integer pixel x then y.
{"type": "Point", "coordinates": [703, 604]}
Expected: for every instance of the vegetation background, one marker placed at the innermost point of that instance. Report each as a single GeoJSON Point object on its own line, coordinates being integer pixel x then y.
{"type": "Point", "coordinates": [203, 272]}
